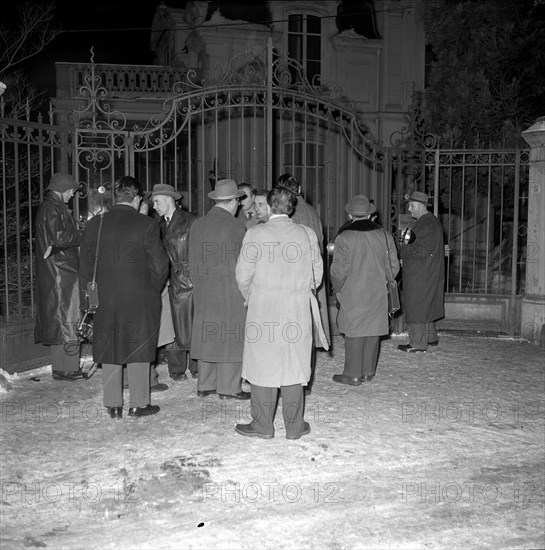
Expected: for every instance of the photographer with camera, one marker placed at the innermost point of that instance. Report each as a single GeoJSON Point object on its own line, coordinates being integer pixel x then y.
{"type": "Point", "coordinates": [57, 239]}
{"type": "Point", "coordinates": [131, 270]}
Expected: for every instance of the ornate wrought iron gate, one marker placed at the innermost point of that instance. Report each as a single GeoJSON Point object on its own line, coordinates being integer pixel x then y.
{"type": "Point", "coordinates": [251, 122]}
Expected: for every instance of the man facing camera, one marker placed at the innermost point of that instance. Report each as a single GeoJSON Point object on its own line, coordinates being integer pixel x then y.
{"type": "Point", "coordinates": [175, 224]}
{"type": "Point", "coordinates": [262, 208]}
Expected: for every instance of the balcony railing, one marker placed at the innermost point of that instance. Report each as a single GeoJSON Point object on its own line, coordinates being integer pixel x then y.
{"type": "Point", "coordinates": [121, 81]}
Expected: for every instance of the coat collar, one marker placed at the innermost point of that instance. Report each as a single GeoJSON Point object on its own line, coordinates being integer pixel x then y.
{"type": "Point", "coordinates": [53, 197]}
{"type": "Point", "coordinates": [359, 225]}
{"type": "Point", "coordinates": [123, 207]}
{"type": "Point", "coordinates": [219, 210]}
{"type": "Point", "coordinates": [280, 219]}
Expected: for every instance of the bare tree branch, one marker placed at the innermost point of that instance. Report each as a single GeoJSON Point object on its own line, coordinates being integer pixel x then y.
{"type": "Point", "coordinates": [33, 32]}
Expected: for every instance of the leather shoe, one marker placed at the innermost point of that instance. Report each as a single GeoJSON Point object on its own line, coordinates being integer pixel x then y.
{"type": "Point", "coordinates": [242, 395]}
{"type": "Point", "coordinates": [115, 412]}
{"type": "Point", "coordinates": [194, 375]}
{"type": "Point", "coordinates": [410, 349]}
{"type": "Point", "coordinates": [367, 378]}
{"type": "Point", "coordinates": [178, 376]}
{"type": "Point", "coordinates": [348, 380]}
{"type": "Point", "coordinates": [206, 393]}
{"type": "Point", "coordinates": [158, 388]}
{"type": "Point", "coordinates": [70, 376]}
{"type": "Point", "coordinates": [250, 431]}
{"type": "Point", "coordinates": [436, 343]}
{"type": "Point", "coordinates": [148, 410]}
{"type": "Point", "coordinates": [304, 431]}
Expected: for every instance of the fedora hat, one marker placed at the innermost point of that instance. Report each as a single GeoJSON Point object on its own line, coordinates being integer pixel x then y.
{"type": "Point", "coordinates": [167, 190]}
{"type": "Point", "coordinates": [226, 190]}
{"type": "Point", "coordinates": [418, 196]}
{"type": "Point", "coordinates": [62, 182]}
{"type": "Point", "coordinates": [360, 206]}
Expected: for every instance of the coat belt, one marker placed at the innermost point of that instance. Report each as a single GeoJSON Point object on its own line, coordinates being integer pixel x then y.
{"type": "Point", "coordinates": [281, 292]}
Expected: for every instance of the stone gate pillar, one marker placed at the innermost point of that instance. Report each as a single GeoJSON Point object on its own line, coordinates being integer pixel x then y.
{"type": "Point", "coordinates": [533, 302]}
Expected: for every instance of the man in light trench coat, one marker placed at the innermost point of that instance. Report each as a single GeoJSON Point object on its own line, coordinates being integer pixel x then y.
{"type": "Point", "coordinates": [275, 273]}
{"type": "Point", "coordinates": [305, 214]}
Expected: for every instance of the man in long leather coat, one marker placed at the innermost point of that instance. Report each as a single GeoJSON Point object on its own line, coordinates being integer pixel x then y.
{"type": "Point", "coordinates": [57, 256]}
{"type": "Point", "coordinates": [175, 224]}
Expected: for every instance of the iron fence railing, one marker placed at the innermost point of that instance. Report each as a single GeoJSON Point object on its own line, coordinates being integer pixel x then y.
{"type": "Point", "coordinates": [480, 195]}
{"type": "Point", "coordinates": [29, 153]}
{"type": "Point", "coordinates": [482, 200]}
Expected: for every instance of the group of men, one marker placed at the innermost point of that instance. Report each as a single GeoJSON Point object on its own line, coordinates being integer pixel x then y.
{"type": "Point", "coordinates": [128, 257]}
{"type": "Point", "coordinates": [240, 282]}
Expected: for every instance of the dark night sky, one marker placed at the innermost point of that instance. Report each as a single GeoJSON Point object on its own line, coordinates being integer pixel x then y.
{"type": "Point", "coordinates": [80, 22]}
{"type": "Point", "coordinates": [118, 31]}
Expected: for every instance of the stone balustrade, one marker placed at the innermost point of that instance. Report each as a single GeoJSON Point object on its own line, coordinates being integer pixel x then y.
{"type": "Point", "coordinates": [122, 81]}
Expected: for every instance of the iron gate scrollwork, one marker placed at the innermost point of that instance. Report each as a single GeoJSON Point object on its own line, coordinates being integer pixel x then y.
{"type": "Point", "coordinates": [250, 121]}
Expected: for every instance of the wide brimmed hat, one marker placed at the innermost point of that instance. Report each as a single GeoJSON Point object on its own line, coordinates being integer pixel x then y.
{"type": "Point", "coordinates": [226, 190]}
{"type": "Point", "coordinates": [360, 206]}
{"type": "Point", "coordinates": [419, 196]}
{"type": "Point", "coordinates": [62, 182]}
{"type": "Point", "coordinates": [167, 190]}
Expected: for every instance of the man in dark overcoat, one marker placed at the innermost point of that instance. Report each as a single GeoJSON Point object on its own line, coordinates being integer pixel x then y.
{"type": "Point", "coordinates": [131, 271]}
{"type": "Point", "coordinates": [57, 240]}
{"type": "Point", "coordinates": [175, 224]}
{"type": "Point", "coordinates": [217, 340]}
{"type": "Point", "coordinates": [423, 276]}
{"type": "Point", "coordinates": [364, 258]}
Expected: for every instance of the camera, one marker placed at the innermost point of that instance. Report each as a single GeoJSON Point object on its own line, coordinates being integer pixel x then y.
{"type": "Point", "coordinates": [407, 236]}
{"type": "Point", "coordinates": [92, 297]}
{"type": "Point", "coordinates": [85, 327]}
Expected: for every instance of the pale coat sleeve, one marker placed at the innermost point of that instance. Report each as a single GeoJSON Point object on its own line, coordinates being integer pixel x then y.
{"type": "Point", "coordinates": [316, 256]}
{"type": "Point", "coordinates": [245, 269]}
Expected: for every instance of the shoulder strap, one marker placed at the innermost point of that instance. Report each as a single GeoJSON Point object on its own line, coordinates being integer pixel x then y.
{"type": "Point", "coordinates": [98, 243]}
{"type": "Point", "coordinates": [388, 275]}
